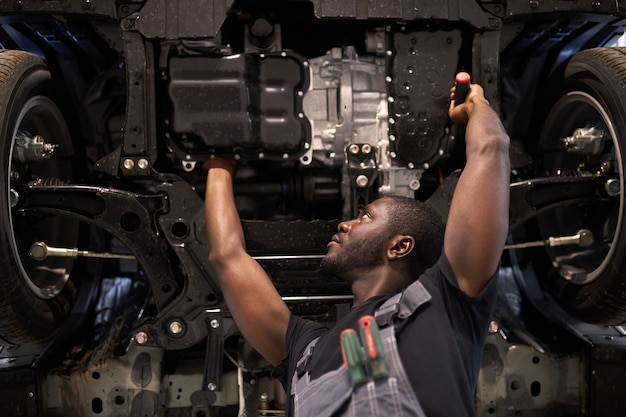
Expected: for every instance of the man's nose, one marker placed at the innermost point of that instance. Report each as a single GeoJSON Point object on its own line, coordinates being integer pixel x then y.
{"type": "Point", "coordinates": [343, 227]}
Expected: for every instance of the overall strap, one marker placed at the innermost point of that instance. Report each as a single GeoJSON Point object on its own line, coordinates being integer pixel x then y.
{"type": "Point", "coordinates": [402, 305]}
{"type": "Point", "coordinates": [303, 363]}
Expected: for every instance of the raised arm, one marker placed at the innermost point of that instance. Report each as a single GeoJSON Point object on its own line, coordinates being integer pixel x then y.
{"type": "Point", "coordinates": [478, 221]}
{"type": "Point", "coordinates": [259, 311]}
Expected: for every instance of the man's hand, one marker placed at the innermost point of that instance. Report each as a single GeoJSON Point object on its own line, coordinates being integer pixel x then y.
{"type": "Point", "coordinates": [460, 113]}
{"type": "Point", "coordinates": [229, 165]}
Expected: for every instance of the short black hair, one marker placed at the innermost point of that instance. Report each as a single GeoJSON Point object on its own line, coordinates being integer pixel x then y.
{"type": "Point", "coordinates": [421, 221]}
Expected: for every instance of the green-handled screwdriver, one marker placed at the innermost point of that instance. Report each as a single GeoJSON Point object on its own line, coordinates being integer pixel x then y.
{"type": "Point", "coordinates": [353, 356]}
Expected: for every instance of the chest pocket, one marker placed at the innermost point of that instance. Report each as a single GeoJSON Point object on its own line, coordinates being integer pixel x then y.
{"type": "Point", "coordinates": [335, 394]}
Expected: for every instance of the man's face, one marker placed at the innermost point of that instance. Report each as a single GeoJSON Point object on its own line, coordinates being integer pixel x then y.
{"type": "Point", "coordinates": [359, 243]}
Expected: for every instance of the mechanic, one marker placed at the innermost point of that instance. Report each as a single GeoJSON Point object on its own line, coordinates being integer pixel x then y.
{"type": "Point", "coordinates": [440, 320]}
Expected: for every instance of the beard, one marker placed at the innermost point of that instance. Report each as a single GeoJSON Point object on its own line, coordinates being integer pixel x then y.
{"type": "Point", "coordinates": [361, 254]}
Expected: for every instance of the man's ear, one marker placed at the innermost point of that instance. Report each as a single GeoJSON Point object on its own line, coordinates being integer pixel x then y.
{"type": "Point", "coordinates": [400, 246]}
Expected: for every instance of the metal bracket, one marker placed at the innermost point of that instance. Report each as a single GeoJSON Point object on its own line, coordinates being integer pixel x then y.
{"type": "Point", "coordinates": [125, 215]}
{"type": "Point", "coordinates": [140, 221]}
{"type": "Point", "coordinates": [531, 197]}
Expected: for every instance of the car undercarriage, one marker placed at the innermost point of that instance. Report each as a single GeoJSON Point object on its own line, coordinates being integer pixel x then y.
{"type": "Point", "coordinates": [108, 109]}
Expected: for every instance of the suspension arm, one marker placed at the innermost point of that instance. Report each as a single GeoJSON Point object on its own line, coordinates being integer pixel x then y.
{"type": "Point", "coordinates": [130, 217]}
{"type": "Point", "coordinates": [531, 197]}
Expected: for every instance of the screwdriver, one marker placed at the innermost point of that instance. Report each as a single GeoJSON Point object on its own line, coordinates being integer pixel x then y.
{"type": "Point", "coordinates": [374, 351]}
{"type": "Point", "coordinates": [462, 81]}
{"type": "Point", "coordinates": [353, 356]}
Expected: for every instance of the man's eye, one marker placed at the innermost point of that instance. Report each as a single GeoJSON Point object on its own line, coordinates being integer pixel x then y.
{"type": "Point", "coordinates": [363, 212]}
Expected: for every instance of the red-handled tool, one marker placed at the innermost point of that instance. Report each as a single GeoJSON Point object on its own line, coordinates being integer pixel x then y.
{"type": "Point", "coordinates": [462, 82]}
{"type": "Point", "coordinates": [374, 351]}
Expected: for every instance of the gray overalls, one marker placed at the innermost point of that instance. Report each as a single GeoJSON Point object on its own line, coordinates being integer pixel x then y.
{"type": "Point", "coordinates": [333, 393]}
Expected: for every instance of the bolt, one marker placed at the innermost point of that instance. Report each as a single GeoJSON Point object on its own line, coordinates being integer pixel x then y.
{"type": "Point", "coordinates": [14, 197]}
{"type": "Point", "coordinates": [129, 163]}
{"type": "Point", "coordinates": [211, 386]}
{"type": "Point", "coordinates": [141, 338]}
{"type": "Point", "coordinates": [264, 401]}
{"type": "Point", "coordinates": [533, 4]}
{"type": "Point", "coordinates": [493, 326]}
{"type": "Point", "coordinates": [605, 166]}
{"type": "Point", "coordinates": [215, 324]}
{"type": "Point", "coordinates": [261, 28]}
{"type": "Point", "coordinates": [176, 327]}
{"type": "Point", "coordinates": [353, 149]}
{"type": "Point", "coordinates": [366, 148]}
{"type": "Point", "coordinates": [410, 165]}
{"type": "Point", "coordinates": [414, 185]}
{"type": "Point", "coordinates": [362, 181]}
{"type": "Point", "coordinates": [612, 187]}
{"type": "Point", "coordinates": [142, 163]}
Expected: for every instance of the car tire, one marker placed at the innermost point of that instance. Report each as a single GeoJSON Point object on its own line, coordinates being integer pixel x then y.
{"type": "Point", "coordinates": [35, 297]}
{"type": "Point", "coordinates": [588, 282]}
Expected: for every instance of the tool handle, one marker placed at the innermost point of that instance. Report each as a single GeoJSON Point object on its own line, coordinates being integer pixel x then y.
{"type": "Point", "coordinates": [462, 82]}
{"type": "Point", "coordinates": [374, 350]}
{"type": "Point", "coordinates": [353, 356]}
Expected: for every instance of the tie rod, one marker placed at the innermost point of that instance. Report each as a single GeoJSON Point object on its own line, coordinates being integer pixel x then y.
{"type": "Point", "coordinates": [40, 251]}
{"type": "Point", "coordinates": [583, 238]}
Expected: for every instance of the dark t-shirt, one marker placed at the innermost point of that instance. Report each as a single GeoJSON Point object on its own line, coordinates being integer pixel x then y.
{"type": "Point", "coordinates": [440, 345]}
